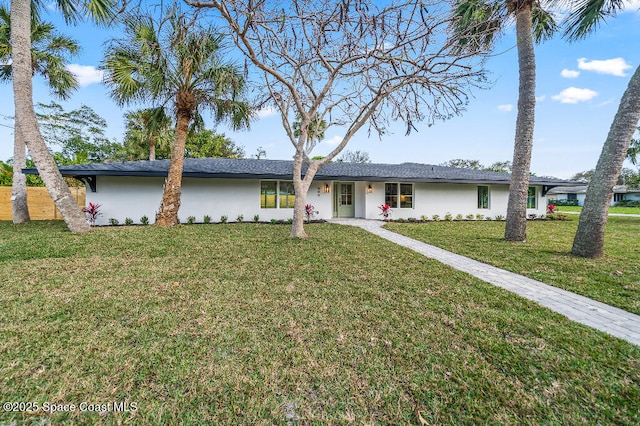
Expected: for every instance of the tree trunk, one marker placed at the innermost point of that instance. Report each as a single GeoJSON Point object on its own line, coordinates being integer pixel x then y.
{"type": "Point", "coordinates": [301, 188]}
{"type": "Point", "coordinates": [26, 123]}
{"type": "Point", "coordinates": [589, 239]}
{"type": "Point", "coordinates": [516, 226]}
{"type": "Point", "coordinates": [152, 148]}
{"type": "Point", "coordinates": [20, 210]}
{"type": "Point", "coordinates": [170, 205]}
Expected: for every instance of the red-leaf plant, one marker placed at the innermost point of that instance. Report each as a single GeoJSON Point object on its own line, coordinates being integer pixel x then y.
{"type": "Point", "coordinates": [93, 212]}
{"type": "Point", "coordinates": [385, 211]}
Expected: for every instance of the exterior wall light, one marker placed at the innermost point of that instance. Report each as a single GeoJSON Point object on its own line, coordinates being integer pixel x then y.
{"type": "Point", "coordinates": [327, 188]}
{"type": "Point", "coordinates": [369, 189]}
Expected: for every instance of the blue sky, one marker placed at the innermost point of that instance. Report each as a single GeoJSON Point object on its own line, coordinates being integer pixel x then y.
{"type": "Point", "coordinates": [579, 86]}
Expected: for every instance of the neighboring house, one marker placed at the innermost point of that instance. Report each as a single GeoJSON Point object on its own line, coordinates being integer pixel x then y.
{"type": "Point", "coordinates": [230, 187]}
{"type": "Point", "coordinates": [578, 193]}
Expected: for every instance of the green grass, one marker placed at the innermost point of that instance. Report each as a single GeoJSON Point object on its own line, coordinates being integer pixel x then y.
{"type": "Point", "coordinates": [238, 324]}
{"type": "Point", "coordinates": [546, 256]}
{"type": "Point", "coordinates": [617, 210]}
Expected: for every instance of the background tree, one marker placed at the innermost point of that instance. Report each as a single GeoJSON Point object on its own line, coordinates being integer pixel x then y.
{"type": "Point", "coordinates": [260, 153]}
{"type": "Point", "coordinates": [463, 164]}
{"type": "Point", "coordinates": [208, 144]}
{"type": "Point", "coordinates": [26, 123]}
{"type": "Point", "coordinates": [77, 136]}
{"type": "Point", "coordinates": [355, 157]}
{"type": "Point", "coordinates": [478, 22]}
{"type": "Point", "coordinates": [633, 153]}
{"type": "Point", "coordinates": [49, 54]}
{"type": "Point", "coordinates": [501, 167]}
{"type": "Point", "coordinates": [149, 135]}
{"type": "Point", "coordinates": [589, 239]}
{"type": "Point", "coordinates": [175, 62]}
{"type": "Point", "coordinates": [585, 176]}
{"type": "Point", "coordinates": [350, 63]}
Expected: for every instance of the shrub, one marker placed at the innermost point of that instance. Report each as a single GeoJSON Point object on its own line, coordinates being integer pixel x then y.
{"type": "Point", "coordinates": [240, 218]}
{"type": "Point", "coordinates": [448, 217]}
{"type": "Point", "coordinates": [479, 216]}
{"type": "Point", "coordinates": [223, 219]}
{"type": "Point", "coordinates": [412, 220]}
{"type": "Point", "coordinates": [385, 211]}
{"type": "Point", "coordinates": [499, 217]}
{"type": "Point", "coordinates": [532, 216]}
{"type": "Point", "coordinates": [92, 212]}
{"type": "Point", "coordinates": [435, 218]}
{"type": "Point", "coordinates": [308, 212]}
{"type": "Point", "coordinates": [551, 208]}
{"type": "Point", "coordinates": [628, 203]}
{"type": "Point", "coordinates": [256, 218]}
{"type": "Point", "coordinates": [128, 221]}
{"type": "Point", "coordinates": [424, 218]}
{"type": "Point", "coordinates": [488, 218]}
{"type": "Point", "coordinates": [191, 220]}
{"type": "Point", "coordinates": [459, 217]}
{"type": "Point", "coordinates": [144, 220]}
{"type": "Point", "coordinates": [113, 221]}
{"type": "Point", "coordinates": [469, 216]}
{"type": "Point", "coordinates": [400, 220]}
{"type": "Point", "coordinates": [290, 220]}
{"type": "Point", "coordinates": [206, 219]}
{"type": "Point", "coordinates": [274, 221]}
{"type": "Point", "coordinates": [564, 202]}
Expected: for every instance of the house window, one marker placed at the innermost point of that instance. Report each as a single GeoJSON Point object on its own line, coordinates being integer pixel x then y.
{"type": "Point", "coordinates": [532, 201]}
{"type": "Point", "coordinates": [572, 196]}
{"type": "Point", "coordinates": [406, 195]}
{"type": "Point", "coordinates": [483, 197]}
{"type": "Point", "coordinates": [399, 195]}
{"type": "Point", "coordinates": [617, 197]}
{"type": "Point", "coordinates": [271, 197]}
{"type": "Point", "coordinates": [268, 190]}
{"type": "Point", "coordinates": [287, 195]}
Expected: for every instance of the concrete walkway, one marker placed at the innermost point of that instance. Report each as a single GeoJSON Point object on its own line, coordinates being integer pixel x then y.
{"type": "Point", "coordinates": [600, 316]}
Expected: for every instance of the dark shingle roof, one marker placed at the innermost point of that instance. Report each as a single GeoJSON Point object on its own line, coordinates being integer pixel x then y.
{"type": "Point", "coordinates": [282, 169]}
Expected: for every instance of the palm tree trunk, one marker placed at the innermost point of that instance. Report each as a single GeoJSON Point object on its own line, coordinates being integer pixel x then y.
{"type": "Point", "coordinates": [152, 148]}
{"type": "Point", "coordinates": [516, 226]}
{"type": "Point", "coordinates": [26, 123]}
{"type": "Point", "coordinates": [589, 239]}
{"type": "Point", "coordinates": [20, 209]}
{"type": "Point", "coordinates": [170, 205]}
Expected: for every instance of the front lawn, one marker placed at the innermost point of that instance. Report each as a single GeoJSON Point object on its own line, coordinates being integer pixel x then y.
{"type": "Point", "coordinates": [616, 210]}
{"type": "Point", "coordinates": [238, 324]}
{"type": "Point", "coordinates": [546, 256]}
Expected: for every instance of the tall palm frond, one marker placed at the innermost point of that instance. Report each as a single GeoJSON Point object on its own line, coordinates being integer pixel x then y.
{"type": "Point", "coordinates": [587, 14]}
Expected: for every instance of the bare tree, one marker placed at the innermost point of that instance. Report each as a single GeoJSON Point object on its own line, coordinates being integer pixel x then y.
{"type": "Point", "coordinates": [350, 63]}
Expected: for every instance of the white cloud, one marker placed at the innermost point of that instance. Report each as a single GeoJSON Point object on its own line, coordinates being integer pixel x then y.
{"type": "Point", "coordinates": [267, 111]}
{"type": "Point", "coordinates": [573, 95]}
{"type": "Point", "coordinates": [632, 6]}
{"type": "Point", "coordinates": [615, 66]}
{"type": "Point", "coordinates": [333, 141]}
{"type": "Point", "coordinates": [86, 74]}
{"type": "Point", "coordinates": [505, 107]}
{"type": "Point", "coordinates": [541, 98]}
{"type": "Point", "coordinates": [569, 73]}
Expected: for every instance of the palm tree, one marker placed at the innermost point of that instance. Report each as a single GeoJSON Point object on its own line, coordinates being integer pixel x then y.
{"type": "Point", "coordinates": [174, 62]}
{"type": "Point", "coordinates": [633, 153]}
{"type": "Point", "coordinates": [589, 239]}
{"type": "Point", "coordinates": [25, 119]}
{"type": "Point", "coordinates": [49, 52]}
{"type": "Point", "coordinates": [478, 22]}
{"type": "Point", "coordinates": [148, 130]}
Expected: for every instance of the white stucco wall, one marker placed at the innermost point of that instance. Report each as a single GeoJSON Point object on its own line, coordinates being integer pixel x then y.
{"type": "Point", "coordinates": [124, 197]}
{"type": "Point", "coordinates": [439, 199]}
{"type": "Point", "coordinates": [133, 197]}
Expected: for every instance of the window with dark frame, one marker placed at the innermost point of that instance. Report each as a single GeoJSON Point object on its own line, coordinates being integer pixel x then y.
{"type": "Point", "coordinates": [483, 197]}
{"type": "Point", "coordinates": [399, 195]}
{"type": "Point", "coordinates": [532, 199]}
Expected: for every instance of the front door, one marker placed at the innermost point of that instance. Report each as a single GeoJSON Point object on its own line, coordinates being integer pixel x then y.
{"type": "Point", "coordinates": [344, 199]}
